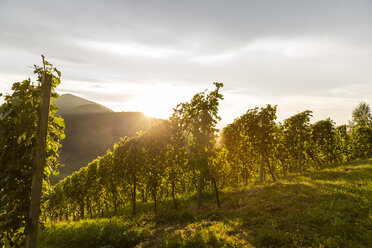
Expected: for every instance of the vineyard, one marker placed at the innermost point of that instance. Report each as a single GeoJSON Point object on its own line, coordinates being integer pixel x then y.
{"type": "Point", "coordinates": [322, 208]}
{"type": "Point", "coordinates": [184, 155]}
{"type": "Point", "coordinates": [256, 182]}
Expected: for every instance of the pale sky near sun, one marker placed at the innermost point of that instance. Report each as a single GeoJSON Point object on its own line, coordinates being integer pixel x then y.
{"type": "Point", "coordinates": [151, 55]}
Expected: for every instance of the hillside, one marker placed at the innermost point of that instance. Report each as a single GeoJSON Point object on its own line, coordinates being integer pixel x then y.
{"type": "Point", "coordinates": [71, 104]}
{"type": "Point", "coordinates": [326, 208]}
{"type": "Point", "coordinates": [92, 129]}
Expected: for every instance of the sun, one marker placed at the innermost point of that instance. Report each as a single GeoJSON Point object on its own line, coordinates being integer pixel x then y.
{"type": "Point", "coordinates": [158, 100]}
{"type": "Point", "coordinates": [157, 109]}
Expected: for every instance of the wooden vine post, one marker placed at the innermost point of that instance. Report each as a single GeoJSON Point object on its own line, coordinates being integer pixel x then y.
{"type": "Point", "coordinates": [38, 167]}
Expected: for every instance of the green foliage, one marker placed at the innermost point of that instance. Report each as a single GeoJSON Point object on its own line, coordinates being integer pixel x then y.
{"type": "Point", "coordinates": [148, 165]}
{"type": "Point", "coordinates": [174, 216]}
{"type": "Point", "coordinates": [297, 133]}
{"type": "Point", "coordinates": [323, 134]}
{"type": "Point", "coordinates": [91, 234]}
{"type": "Point", "coordinates": [18, 125]}
{"type": "Point", "coordinates": [203, 234]}
{"type": "Point", "coordinates": [362, 115]}
{"type": "Point", "coordinates": [342, 144]}
{"type": "Point", "coordinates": [198, 119]}
{"type": "Point", "coordinates": [323, 208]}
{"type": "Point", "coordinates": [251, 140]}
{"type": "Point", "coordinates": [362, 142]}
{"type": "Point", "coordinates": [183, 154]}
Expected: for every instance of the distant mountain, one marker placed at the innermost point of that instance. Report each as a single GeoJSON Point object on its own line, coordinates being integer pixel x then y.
{"type": "Point", "coordinates": [71, 104]}
{"type": "Point", "coordinates": [92, 129]}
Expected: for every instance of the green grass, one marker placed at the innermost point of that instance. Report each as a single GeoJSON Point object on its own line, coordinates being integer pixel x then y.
{"type": "Point", "coordinates": [327, 208]}
{"type": "Point", "coordinates": [92, 233]}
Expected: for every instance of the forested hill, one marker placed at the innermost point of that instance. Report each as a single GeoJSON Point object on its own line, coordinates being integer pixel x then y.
{"type": "Point", "coordinates": [92, 129]}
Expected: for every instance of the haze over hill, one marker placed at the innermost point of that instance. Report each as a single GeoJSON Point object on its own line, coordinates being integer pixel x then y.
{"type": "Point", "coordinates": [92, 129]}
{"type": "Point", "coordinates": [71, 104]}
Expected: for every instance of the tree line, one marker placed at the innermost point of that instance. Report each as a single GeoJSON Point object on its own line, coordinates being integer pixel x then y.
{"type": "Point", "coordinates": [186, 154]}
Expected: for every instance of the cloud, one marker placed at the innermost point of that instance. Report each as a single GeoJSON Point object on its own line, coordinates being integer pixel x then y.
{"type": "Point", "coordinates": [292, 53]}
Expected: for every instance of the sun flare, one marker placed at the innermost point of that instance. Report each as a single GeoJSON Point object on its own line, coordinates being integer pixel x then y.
{"type": "Point", "coordinates": [159, 100]}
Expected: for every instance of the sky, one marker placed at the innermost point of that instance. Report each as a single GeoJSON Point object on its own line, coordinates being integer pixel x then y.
{"type": "Point", "coordinates": [151, 55]}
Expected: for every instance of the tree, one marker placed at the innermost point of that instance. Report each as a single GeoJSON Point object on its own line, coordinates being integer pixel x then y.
{"type": "Point", "coordinates": [281, 152]}
{"type": "Point", "coordinates": [238, 143]}
{"type": "Point", "coordinates": [199, 118]}
{"type": "Point", "coordinates": [129, 154]}
{"type": "Point", "coordinates": [110, 179]}
{"type": "Point", "coordinates": [323, 134]}
{"type": "Point", "coordinates": [267, 129]}
{"type": "Point", "coordinates": [362, 142]}
{"type": "Point", "coordinates": [156, 141]}
{"type": "Point", "coordinates": [362, 115]}
{"type": "Point", "coordinates": [176, 156]}
{"type": "Point", "coordinates": [18, 121]}
{"type": "Point", "coordinates": [94, 190]}
{"type": "Point", "coordinates": [342, 143]}
{"type": "Point", "coordinates": [78, 190]}
{"type": "Point", "coordinates": [220, 170]}
{"type": "Point", "coordinates": [252, 138]}
{"type": "Point", "coordinates": [57, 203]}
{"type": "Point", "coordinates": [297, 133]}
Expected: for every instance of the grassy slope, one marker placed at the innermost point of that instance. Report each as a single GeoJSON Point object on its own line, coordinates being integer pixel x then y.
{"type": "Point", "coordinates": [328, 208]}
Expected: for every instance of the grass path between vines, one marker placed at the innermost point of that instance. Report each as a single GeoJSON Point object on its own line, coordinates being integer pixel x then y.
{"type": "Point", "coordinates": [326, 208]}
